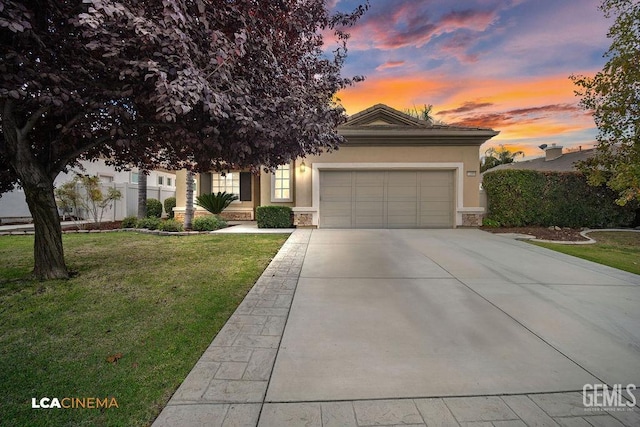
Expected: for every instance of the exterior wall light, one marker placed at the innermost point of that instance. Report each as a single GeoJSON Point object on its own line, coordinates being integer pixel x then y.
{"type": "Point", "coordinates": [303, 167]}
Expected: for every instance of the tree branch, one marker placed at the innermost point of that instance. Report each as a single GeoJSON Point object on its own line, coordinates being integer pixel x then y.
{"type": "Point", "coordinates": [28, 126]}
{"type": "Point", "coordinates": [58, 166]}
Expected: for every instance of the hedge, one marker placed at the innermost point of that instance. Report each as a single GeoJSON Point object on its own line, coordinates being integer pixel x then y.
{"type": "Point", "coordinates": [154, 208]}
{"type": "Point", "coordinates": [169, 204]}
{"type": "Point", "coordinates": [273, 216]}
{"type": "Point", "coordinates": [519, 198]}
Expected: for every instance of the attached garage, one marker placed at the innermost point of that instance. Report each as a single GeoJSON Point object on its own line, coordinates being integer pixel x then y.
{"type": "Point", "coordinates": [387, 199]}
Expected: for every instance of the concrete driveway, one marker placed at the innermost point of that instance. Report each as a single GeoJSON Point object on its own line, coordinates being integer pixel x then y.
{"type": "Point", "coordinates": [385, 314]}
{"type": "Point", "coordinates": [422, 328]}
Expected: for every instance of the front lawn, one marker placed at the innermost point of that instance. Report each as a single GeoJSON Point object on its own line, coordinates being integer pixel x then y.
{"type": "Point", "coordinates": [155, 301]}
{"type": "Point", "coordinates": [616, 249]}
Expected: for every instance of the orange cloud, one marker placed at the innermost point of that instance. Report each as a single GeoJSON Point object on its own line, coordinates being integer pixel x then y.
{"type": "Point", "coordinates": [390, 64]}
{"type": "Point", "coordinates": [531, 109]}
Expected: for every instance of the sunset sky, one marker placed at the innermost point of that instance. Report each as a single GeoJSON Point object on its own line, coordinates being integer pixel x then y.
{"type": "Point", "coordinates": [503, 64]}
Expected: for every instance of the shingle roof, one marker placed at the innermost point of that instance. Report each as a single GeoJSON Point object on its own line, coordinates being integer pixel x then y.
{"type": "Point", "coordinates": [564, 163]}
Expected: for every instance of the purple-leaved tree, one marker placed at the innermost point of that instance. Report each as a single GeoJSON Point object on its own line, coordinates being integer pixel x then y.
{"type": "Point", "coordinates": [202, 84]}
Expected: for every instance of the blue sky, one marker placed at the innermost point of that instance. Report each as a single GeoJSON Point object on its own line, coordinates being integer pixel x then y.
{"type": "Point", "coordinates": [489, 63]}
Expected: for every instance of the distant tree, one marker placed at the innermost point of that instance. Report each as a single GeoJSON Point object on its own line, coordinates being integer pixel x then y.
{"type": "Point", "coordinates": [423, 113]}
{"type": "Point", "coordinates": [188, 83]}
{"type": "Point", "coordinates": [494, 157]}
{"type": "Point", "coordinates": [84, 195]}
{"type": "Point", "coordinates": [613, 95]}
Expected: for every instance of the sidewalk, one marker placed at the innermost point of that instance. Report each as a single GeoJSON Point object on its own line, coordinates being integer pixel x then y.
{"type": "Point", "coordinates": [227, 386]}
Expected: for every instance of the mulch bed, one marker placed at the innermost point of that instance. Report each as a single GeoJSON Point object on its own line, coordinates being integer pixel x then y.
{"type": "Point", "coordinates": [543, 233]}
{"type": "Point", "coordinates": [110, 225]}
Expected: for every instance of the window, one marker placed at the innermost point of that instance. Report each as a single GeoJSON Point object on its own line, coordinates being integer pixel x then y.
{"type": "Point", "coordinates": [168, 182]}
{"type": "Point", "coordinates": [161, 180]}
{"type": "Point", "coordinates": [281, 184]}
{"type": "Point", "coordinates": [230, 183]}
{"type": "Point", "coordinates": [105, 179]}
{"type": "Point", "coordinates": [135, 177]}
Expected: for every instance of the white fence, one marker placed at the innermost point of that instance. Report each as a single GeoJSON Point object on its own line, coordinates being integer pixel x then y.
{"type": "Point", "coordinates": [128, 204]}
{"type": "Point", "coordinates": [13, 206]}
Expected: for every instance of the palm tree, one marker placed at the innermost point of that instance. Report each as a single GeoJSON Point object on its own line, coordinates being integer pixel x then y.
{"type": "Point", "coordinates": [494, 157]}
{"type": "Point", "coordinates": [188, 214]}
{"type": "Point", "coordinates": [142, 193]}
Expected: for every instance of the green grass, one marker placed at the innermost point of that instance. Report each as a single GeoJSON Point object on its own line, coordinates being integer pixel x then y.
{"type": "Point", "coordinates": [616, 249]}
{"type": "Point", "coordinates": [157, 300]}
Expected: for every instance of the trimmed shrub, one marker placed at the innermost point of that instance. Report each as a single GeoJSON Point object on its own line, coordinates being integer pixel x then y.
{"type": "Point", "coordinates": [129, 222]}
{"type": "Point", "coordinates": [169, 204]}
{"type": "Point", "coordinates": [519, 198]}
{"type": "Point", "coordinates": [273, 216]}
{"type": "Point", "coordinates": [170, 225]}
{"type": "Point", "coordinates": [154, 208]}
{"type": "Point", "coordinates": [488, 222]}
{"type": "Point", "coordinates": [208, 223]}
{"type": "Point", "coordinates": [150, 223]}
{"type": "Point", "coordinates": [216, 202]}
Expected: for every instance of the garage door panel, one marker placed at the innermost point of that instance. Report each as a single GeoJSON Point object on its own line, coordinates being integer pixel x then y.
{"type": "Point", "coordinates": [402, 179]}
{"type": "Point", "coordinates": [336, 222]}
{"type": "Point", "coordinates": [335, 178]}
{"type": "Point", "coordinates": [329, 194]}
{"type": "Point", "coordinates": [386, 199]}
{"type": "Point", "coordinates": [369, 208]}
{"type": "Point", "coordinates": [369, 194]}
{"type": "Point", "coordinates": [401, 193]}
{"type": "Point", "coordinates": [369, 178]}
{"type": "Point", "coordinates": [435, 206]}
{"type": "Point", "coordinates": [436, 179]}
{"type": "Point", "coordinates": [337, 208]}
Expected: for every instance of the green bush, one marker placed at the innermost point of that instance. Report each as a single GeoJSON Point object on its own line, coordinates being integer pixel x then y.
{"type": "Point", "coordinates": [523, 197]}
{"type": "Point", "coordinates": [169, 204]}
{"type": "Point", "coordinates": [273, 216]}
{"type": "Point", "coordinates": [488, 222]}
{"type": "Point", "coordinates": [129, 222]}
{"type": "Point", "coordinates": [170, 225]}
{"type": "Point", "coordinates": [150, 223]}
{"type": "Point", "coordinates": [154, 208]}
{"type": "Point", "coordinates": [216, 203]}
{"type": "Point", "coordinates": [208, 223]}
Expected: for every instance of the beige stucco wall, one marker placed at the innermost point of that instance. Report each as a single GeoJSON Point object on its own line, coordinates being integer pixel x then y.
{"type": "Point", "coordinates": [237, 209]}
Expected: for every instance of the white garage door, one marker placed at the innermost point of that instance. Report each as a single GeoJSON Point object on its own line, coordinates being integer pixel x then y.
{"type": "Point", "coordinates": [386, 199]}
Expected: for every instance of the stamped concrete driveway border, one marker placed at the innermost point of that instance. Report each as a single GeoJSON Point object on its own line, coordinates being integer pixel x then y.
{"type": "Point", "coordinates": [228, 384]}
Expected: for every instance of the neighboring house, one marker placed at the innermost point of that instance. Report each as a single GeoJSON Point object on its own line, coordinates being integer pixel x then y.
{"type": "Point", "coordinates": [554, 160]}
{"type": "Point", "coordinates": [393, 171]}
{"type": "Point", "coordinates": [160, 185]}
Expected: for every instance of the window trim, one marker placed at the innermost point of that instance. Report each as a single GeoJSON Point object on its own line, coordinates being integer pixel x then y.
{"type": "Point", "coordinates": [213, 180]}
{"type": "Point", "coordinates": [275, 199]}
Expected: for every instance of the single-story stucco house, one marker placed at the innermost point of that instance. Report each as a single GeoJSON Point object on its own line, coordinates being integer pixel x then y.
{"type": "Point", "coordinates": [393, 171]}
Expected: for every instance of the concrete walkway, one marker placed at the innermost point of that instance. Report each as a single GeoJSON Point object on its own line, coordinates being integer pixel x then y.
{"type": "Point", "coordinates": [419, 327]}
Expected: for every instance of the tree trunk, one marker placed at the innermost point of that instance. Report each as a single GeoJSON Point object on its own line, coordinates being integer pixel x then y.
{"type": "Point", "coordinates": [47, 249]}
{"type": "Point", "coordinates": [188, 214]}
{"type": "Point", "coordinates": [37, 183]}
{"type": "Point", "coordinates": [142, 193]}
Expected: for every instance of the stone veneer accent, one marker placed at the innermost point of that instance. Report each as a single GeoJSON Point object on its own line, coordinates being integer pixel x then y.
{"type": "Point", "coordinates": [302, 219]}
{"type": "Point", "coordinates": [237, 215]}
{"type": "Point", "coordinates": [472, 219]}
{"type": "Point", "coordinates": [228, 216]}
